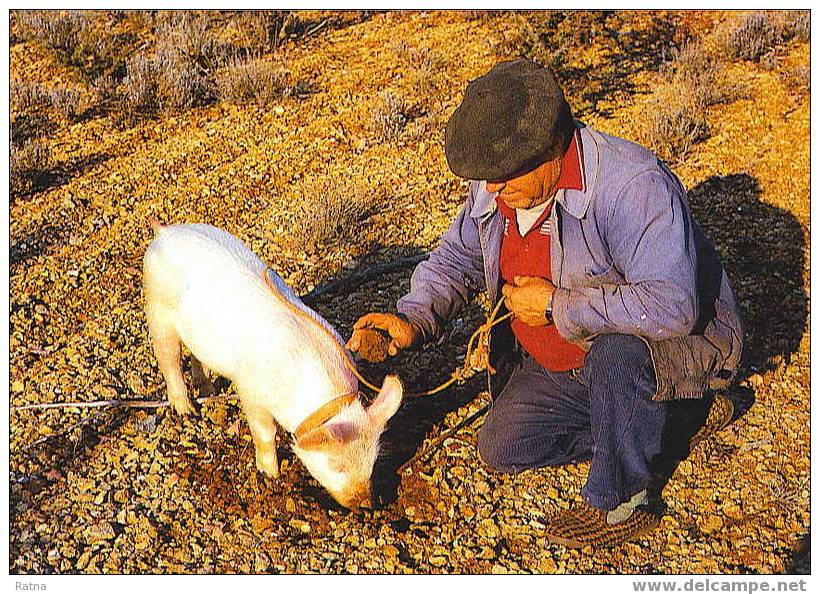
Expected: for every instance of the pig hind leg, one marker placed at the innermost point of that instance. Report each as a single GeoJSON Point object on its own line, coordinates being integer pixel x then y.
{"type": "Point", "coordinates": [167, 348]}
{"type": "Point", "coordinates": [263, 429]}
{"type": "Point", "coordinates": [202, 382]}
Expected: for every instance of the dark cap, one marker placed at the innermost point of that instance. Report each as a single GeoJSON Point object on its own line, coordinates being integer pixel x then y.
{"type": "Point", "coordinates": [511, 119]}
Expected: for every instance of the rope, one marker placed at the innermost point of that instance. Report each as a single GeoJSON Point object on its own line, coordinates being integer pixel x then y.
{"type": "Point", "coordinates": [479, 340]}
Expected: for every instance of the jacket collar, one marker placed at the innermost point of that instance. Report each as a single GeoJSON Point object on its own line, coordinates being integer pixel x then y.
{"type": "Point", "coordinates": [575, 202]}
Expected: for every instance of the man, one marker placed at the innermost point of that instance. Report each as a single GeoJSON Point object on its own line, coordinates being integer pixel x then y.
{"type": "Point", "coordinates": [620, 304]}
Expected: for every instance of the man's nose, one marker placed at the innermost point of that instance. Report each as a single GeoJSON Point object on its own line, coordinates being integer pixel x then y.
{"type": "Point", "coordinates": [495, 186]}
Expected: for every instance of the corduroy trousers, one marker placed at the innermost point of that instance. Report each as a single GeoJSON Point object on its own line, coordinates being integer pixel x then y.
{"type": "Point", "coordinates": [602, 412]}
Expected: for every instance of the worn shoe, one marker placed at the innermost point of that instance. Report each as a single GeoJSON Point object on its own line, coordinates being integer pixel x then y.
{"type": "Point", "coordinates": [720, 415]}
{"type": "Point", "coordinates": [585, 526]}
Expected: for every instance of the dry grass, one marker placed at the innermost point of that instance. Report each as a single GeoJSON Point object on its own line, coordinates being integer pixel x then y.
{"type": "Point", "coordinates": [752, 36]}
{"type": "Point", "coordinates": [675, 125]}
{"type": "Point", "coordinates": [251, 81]}
{"type": "Point", "coordinates": [68, 102]}
{"type": "Point", "coordinates": [75, 37]}
{"type": "Point", "coordinates": [797, 25]}
{"type": "Point", "coordinates": [389, 117]}
{"type": "Point", "coordinates": [694, 81]}
{"type": "Point", "coordinates": [422, 66]}
{"type": "Point", "coordinates": [335, 213]}
{"type": "Point", "coordinates": [28, 103]}
{"type": "Point", "coordinates": [266, 29]}
{"type": "Point", "coordinates": [25, 97]}
{"type": "Point", "coordinates": [27, 166]}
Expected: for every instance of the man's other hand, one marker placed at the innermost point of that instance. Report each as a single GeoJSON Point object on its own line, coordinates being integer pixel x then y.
{"type": "Point", "coordinates": [373, 345]}
{"type": "Point", "coordinates": [528, 298]}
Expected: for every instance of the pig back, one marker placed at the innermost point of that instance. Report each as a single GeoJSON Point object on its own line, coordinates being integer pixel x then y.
{"type": "Point", "coordinates": [273, 347]}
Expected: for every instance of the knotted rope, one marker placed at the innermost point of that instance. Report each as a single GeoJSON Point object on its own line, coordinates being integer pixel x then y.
{"type": "Point", "coordinates": [476, 359]}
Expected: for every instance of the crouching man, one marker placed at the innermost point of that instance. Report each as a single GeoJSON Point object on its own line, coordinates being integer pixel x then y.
{"type": "Point", "coordinates": [620, 304]}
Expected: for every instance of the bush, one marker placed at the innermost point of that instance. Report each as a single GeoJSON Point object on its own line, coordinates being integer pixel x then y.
{"type": "Point", "coordinates": [675, 125]}
{"type": "Point", "coordinates": [266, 30]}
{"type": "Point", "coordinates": [165, 82]}
{"type": "Point", "coordinates": [797, 25]}
{"type": "Point", "coordinates": [28, 166]}
{"type": "Point", "coordinates": [677, 119]}
{"type": "Point", "coordinates": [254, 81]}
{"type": "Point", "coordinates": [331, 212]}
{"type": "Point", "coordinates": [798, 80]}
{"type": "Point", "coordinates": [551, 36]}
{"type": "Point", "coordinates": [26, 97]}
{"type": "Point", "coordinates": [28, 113]}
{"type": "Point", "coordinates": [140, 87]}
{"type": "Point", "coordinates": [67, 101]}
{"type": "Point", "coordinates": [181, 82]}
{"type": "Point", "coordinates": [189, 40]}
{"type": "Point", "coordinates": [752, 36]}
{"type": "Point", "coordinates": [73, 37]}
{"type": "Point", "coordinates": [422, 66]}
{"type": "Point", "coordinates": [699, 75]}
{"type": "Point", "coordinates": [389, 117]}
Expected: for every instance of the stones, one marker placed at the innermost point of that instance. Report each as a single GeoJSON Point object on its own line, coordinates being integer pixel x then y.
{"type": "Point", "coordinates": [155, 493]}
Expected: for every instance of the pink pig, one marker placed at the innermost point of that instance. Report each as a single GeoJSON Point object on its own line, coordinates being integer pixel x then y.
{"type": "Point", "coordinates": [206, 289]}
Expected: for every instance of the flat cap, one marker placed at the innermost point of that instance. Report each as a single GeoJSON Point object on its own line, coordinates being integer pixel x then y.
{"type": "Point", "coordinates": [511, 119]}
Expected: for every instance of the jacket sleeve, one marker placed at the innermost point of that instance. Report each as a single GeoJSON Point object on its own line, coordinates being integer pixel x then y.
{"type": "Point", "coordinates": [648, 231]}
{"type": "Point", "coordinates": [443, 285]}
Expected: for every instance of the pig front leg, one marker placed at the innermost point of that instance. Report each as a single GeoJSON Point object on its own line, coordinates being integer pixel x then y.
{"type": "Point", "coordinates": [202, 382]}
{"type": "Point", "coordinates": [167, 350]}
{"type": "Point", "coordinates": [263, 429]}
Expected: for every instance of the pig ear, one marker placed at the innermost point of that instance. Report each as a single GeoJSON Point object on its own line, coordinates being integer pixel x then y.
{"type": "Point", "coordinates": [387, 402]}
{"type": "Point", "coordinates": [328, 435]}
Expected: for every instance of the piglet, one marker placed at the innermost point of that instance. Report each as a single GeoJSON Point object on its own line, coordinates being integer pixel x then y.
{"type": "Point", "coordinates": [206, 289]}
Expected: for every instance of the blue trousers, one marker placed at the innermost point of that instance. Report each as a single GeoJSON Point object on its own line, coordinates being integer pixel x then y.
{"type": "Point", "coordinates": [602, 412]}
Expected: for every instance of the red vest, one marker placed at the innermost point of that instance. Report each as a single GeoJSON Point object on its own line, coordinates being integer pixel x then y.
{"type": "Point", "coordinates": [530, 256]}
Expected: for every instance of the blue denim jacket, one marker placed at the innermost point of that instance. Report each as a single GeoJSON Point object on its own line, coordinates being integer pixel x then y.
{"type": "Point", "coordinates": [628, 258]}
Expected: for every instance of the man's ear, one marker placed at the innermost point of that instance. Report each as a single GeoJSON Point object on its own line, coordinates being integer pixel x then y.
{"type": "Point", "coordinates": [387, 402]}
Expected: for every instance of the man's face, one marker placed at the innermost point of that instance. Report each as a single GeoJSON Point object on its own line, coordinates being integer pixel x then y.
{"type": "Point", "coordinates": [531, 188]}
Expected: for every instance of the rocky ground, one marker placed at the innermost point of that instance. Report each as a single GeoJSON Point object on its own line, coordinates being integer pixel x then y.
{"type": "Point", "coordinates": [146, 491]}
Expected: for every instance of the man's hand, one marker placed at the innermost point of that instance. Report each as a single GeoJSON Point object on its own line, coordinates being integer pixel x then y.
{"type": "Point", "coordinates": [374, 346]}
{"type": "Point", "coordinates": [528, 299]}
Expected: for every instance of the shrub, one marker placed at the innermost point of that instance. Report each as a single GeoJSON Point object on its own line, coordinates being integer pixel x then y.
{"type": "Point", "coordinates": [73, 37]}
{"type": "Point", "coordinates": [389, 117]}
{"type": "Point", "coordinates": [140, 86]}
{"type": "Point", "coordinates": [674, 126]}
{"type": "Point", "coordinates": [181, 82]}
{"type": "Point", "coordinates": [752, 36]}
{"type": "Point", "coordinates": [28, 114]}
{"type": "Point", "coordinates": [677, 117]}
{"type": "Point", "coordinates": [189, 39]}
{"type": "Point", "coordinates": [331, 212]}
{"type": "Point", "coordinates": [26, 97]}
{"type": "Point", "coordinates": [266, 29]}
{"type": "Point", "coordinates": [28, 165]}
{"type": "Point", "coordinates": [798, 80]}
{"type": "Point", "coordinates": [699, 75]}
{"type": "Point", "coordinates": [422, 65]}
{"type": "Point", "coordinates": [796, 25]}
{"type": "Point", "coordinates": [67, 101]}
{"type": "Point", "coordinates": [551, 36]}
{"type": "Point", "coordinates": [166, 81]}
{"type": "Point", "coordinates": [254, 81]}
